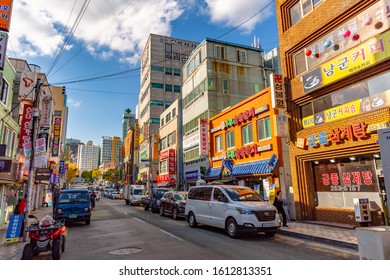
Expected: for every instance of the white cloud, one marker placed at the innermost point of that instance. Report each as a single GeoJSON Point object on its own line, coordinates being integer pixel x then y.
{"type": "Point", "coordinates": [74, 103]}
{"type": "Point", "coordinates": [232, 13]}
{"type": "Point", "coordinates": [107, 26]}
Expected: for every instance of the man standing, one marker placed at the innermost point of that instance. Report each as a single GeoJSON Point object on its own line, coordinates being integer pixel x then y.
{"type": "Point", "coordinates": [22, 210]}
{"type": "Point", "coordinates": [278, 203]}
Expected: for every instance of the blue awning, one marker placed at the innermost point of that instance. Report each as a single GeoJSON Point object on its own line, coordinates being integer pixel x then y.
{"type": "Point", "coordinates": [256, 168]}
{"type": "Point", "coordinates": [228, 164]}
{"type": "Point", "coordinates": [213, 173]}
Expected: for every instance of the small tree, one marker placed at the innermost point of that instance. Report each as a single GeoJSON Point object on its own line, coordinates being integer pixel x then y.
{"type": "Point", "coordinates": [87, 176]}
{"type": "Point", "coordinates": [71, 173]}
{"type": "Point", "coordinates": [202, 171]}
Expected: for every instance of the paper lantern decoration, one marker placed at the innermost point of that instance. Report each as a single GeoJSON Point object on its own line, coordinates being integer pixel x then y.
{"type": "Point", "coordinates": [378, 25]}
{"type": "Point", "coordinates": [336, 47]}
{"type": "Point", "coordinates": [327, 43]}
{"type": "Point", "coordinates": [368, 21]}
{"type": "Point", "coordinates": [355, 37]}
{"type": "Point", "coordinates": [317, 55]}
{"type": "Point", "coordinates": [347, 34]}
{"type": "Point", "coordinates": [308, 53]}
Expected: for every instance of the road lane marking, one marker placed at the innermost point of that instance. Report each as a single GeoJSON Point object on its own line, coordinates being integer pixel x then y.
{"type": "Point", "coordinates": [171, 235]}
{"type": "Point", "coordinates": [140, 220]}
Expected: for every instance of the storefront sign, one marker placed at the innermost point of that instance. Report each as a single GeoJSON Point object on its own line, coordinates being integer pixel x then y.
{"type": "Point", "coordinates": [338, 135]}
{"type": "Point", "coordinates": [238, 119]}
{"type": "Point", "coordinates": [281, 124]}
{"type": "Point", "coordinates": [14, 228]}
{"type": "Point", "coordinates": [362, 210]}
{"type": "Point", "coordinates": [25, 126]}
{"type": "Point", "coordinates": [377, 126]}
{"type": "Point", "coordinates": [162, 178]}
{"type": "Point", "coordinates": [40, 158]}
{"type": "Point", "coordinates": [191, 142]}
{"type": "Point", "coordinates": [62, 167]}
{"type": "Point", "coordinates": [191, 175]}
{"type": "Point", "coordinates": [346, 177]}
{"type": "Point", "coordinates": [249, 150]}
{"type": "Point", "coordinates": [172, 162]}
{"type": "Point", "coordinates": [164, 154]}
{"type": "Point", "coordinates": [204, 138]}
{"type": "Point", "coordinates": [358, 58]}
{"type": "Point", "coordinates": [27, 84]}
{"type": "Point", "coordinates": [56, 138]}
{"type": "Point", "coordinates": [278, 95]}
{"type": "Point", "coordinates": [46, 112]}
{"type": "Point", "coordinates": [5, 14]}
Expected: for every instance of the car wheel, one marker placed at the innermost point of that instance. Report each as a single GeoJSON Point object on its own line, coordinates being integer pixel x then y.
{"type": "Point", "coordinates": [88, 222]}
{"type": "Point", "coordinates": [56, 251]}
{"type": "Point", "coordinates": [162, 211]}
{"type": "Point", "coordinates": [28, 252]}
{"type": "Point", "coordinates": [175, 213]}
{"type": "Point", "coordinates": [232, 229]}
{"type": "Point", "coordinates": [154, 209]}
{"type": "Point", "coordinates": [270, 233]}
{"type": "Point", "coordinates": [191, 220]}
{"type": "Point", "coordinates": [63, 243]}
{"type": "Point", "coordinates": [146, 207]}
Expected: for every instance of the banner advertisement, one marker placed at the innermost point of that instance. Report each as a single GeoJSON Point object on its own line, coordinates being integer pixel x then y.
{"type": "Point", "coordinates": [25, 126]}
{"type": "Point", "coordinates": [27, 148]}
{"type": "Point", "coordinates": [204, 137]}
{"type": "Point", "coordinates": [40, 158]}
{"type": "Point", "coordinates": [46, 112]}
{"type": "Point", "coordinates": [172, 162]}
{"type": "Point", "coordinates": [278, 95]}
{"type": "Point", "coordinates": [27, 84]}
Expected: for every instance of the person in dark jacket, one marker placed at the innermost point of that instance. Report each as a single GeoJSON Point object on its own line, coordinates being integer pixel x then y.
{"type": "Point", "coordinates": [278, 203]}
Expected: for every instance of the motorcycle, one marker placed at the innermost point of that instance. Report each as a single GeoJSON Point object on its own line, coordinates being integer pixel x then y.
{"type": "Point", "coordinates": [45, 236]}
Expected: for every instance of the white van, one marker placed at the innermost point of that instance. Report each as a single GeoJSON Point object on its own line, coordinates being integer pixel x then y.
{"type": "Point", "coordinates": [134, 193]}
{"type": "Point", "coordinates": [233, 208]}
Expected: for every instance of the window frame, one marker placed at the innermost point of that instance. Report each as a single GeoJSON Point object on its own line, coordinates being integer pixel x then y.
{"type": "Point", "coordinates": [229, 139]}
{"type": "Point", "coordinates": [245, 128]}
{"type": "Point", "coordinates": [263, 127]}
{"type": "Point", "coordinates": [218, 143]}
{"type": "Point", "coordinates": [4, 91]}
{"type": "Point", "coordinates": [220, 52]}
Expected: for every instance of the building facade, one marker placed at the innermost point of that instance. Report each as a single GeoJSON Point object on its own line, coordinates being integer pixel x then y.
{"type": "Point", "coordinates": [336, 63]}
{"type": "Point", "coordinates": [216, 76]}
{"type": "Point", "coordinates": [248, 147]}
{"type": "Point", "coordinates": [105, 150]}
{"type": "Point", "coordinates": [161, 84]}
{"type": "Point", "coordinates": [116, 149]}
{"type": "Point", "coordinates": [71, 148]}
{"type": "Point", "coordinates": [88, 157]}
{"type": "Point", "coordinates": [128, 122]}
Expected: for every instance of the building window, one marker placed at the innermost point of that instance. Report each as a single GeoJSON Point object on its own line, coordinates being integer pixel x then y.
{"type": "Point", "coordinates": [168, 88]}
{"type": "Point", "coordinates": [162, 122]}
{"type": "Point", "coordinates": [247, 134]}
{"type": "Point", "coordinates": [167, 104]}
{"type": "Point", "coordinates": [157, 68]}
{"type": "Point", "coordinates": [225, 86]}
{"type": "Point", "coordinates": [156, 103]}
{"type": "Point", "coordinates": [300, 65]}
{"type": "Point", "coordinates": [301, 9]}
{"type": "Point", "coordinates": [171, 139]}
{"type": "Point", "coordinates": [156, 85]}
{"type": "Point", "coordinates": [176, 72]}
{"type": "Point", "coordinates": [176, 56]}
{"type": "Point", "coordinates": [176, 88]}
{"type": "Point", "coordinates": [211, 84]}
{"type": "Point", "coordinates": [241, 56]}
{"type": "Point", "coordinates": [4, 92]}
{"type": "Point", "coordinates": [184, 57]}
{"type": "Point", "coordinates": [218, 143]}
{"type": "Point", "coordinates": [168, 71]}
{"type": "Point", "coordinates": [9, 140]}
{"type": "Point", "coordinates": [164, 166]}
{"type": "Point", "coordinates": [220, 52]}
{"type": "Point", "coordinates": [168, 117]}
{"type": "Point", "coordinates": [168, 50]}
{"type": "Point", "coordinates": [230, 139]}
{"type": "Point", "coordinates": [264, 129]}
{"type": "Point", "coordinates": [164, 143]}
{"type": "Point", "coordinates": [153, 120]}
{"type": "Point", "coordinates": [174, 112]}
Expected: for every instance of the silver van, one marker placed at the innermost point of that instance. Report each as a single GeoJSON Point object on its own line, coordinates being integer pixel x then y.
{"type": "Point", "coordinates": [233, 208]}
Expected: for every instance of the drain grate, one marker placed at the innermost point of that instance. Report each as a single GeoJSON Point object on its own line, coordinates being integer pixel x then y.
{"type": "Point", "coordinates": [126, 251]}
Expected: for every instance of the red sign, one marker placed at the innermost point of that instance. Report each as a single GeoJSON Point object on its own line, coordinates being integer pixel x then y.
{"type": "Point", "coordinates": [164, 154]}
{"type": "Point", "coordinates": [25, 127]}
{"type": "Point", "coordinates": [240, 118]}
{"type": "Point", "coordinates": [356, 130]}
{"type": "Point", "coordinates": [204, 130]}
{"type": "Point", "coordinates": [172, 161]}
{"type": "Point", "coordinates": [162, 178]}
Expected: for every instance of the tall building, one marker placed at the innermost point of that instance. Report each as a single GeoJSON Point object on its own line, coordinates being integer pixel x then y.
{"type": "Point", "coordinates": [116, 151]}
{"type": "Point", "coordinates": [88, 157]}
{"type": "Point", "coordinates": [216, 76]}
{"type": "Point", "coordinates": [105, 150]}
{"type": "Point", "coordinates": [128, 122]}
{"type": "Point", "coordinates": [161, 84]}
{"type": "Point", "coordinates": [71, 149]}
{"type": "Point", "coordinates": [336, 63]}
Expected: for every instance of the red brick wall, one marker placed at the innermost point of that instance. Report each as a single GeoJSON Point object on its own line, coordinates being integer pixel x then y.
{"type": "Point", "coordinates": [345, 216]}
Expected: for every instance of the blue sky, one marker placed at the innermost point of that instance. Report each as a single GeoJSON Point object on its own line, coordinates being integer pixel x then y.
{"type": "Point", "coordinates": [109, 39]}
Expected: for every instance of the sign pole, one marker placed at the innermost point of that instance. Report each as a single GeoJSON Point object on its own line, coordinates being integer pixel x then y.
{"type": "Point", "coordinates": [31, 168]}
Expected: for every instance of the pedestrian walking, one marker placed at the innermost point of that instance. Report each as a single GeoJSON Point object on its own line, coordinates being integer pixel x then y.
{"type": "Point", "coordinates": [22, 210]}
{"type": "Point", "coordinates": [278, 203]}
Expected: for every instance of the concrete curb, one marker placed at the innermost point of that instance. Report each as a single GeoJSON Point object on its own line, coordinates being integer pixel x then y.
{"type": "Point", "coordinates": [332, 242]}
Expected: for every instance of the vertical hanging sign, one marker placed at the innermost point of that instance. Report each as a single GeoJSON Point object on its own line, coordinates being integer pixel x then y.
{"type": "Point", "coordinates": [204, 131]}
{"type": "Point", "coordinates": [277, 91]}
{"type": "Point", "coordinates": [25, 127]}
{"type": "Point", "coordinates": [56, 138]}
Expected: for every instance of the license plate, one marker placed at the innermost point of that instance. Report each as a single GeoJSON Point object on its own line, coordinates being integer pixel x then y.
{"type": "Point", "coordinates": [268, 225]}
{"type": "Point", "coordinates": [72, 216]}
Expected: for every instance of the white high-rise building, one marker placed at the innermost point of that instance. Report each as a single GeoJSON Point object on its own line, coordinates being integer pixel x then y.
{"type": "Point", "coordinates": [87, 157]}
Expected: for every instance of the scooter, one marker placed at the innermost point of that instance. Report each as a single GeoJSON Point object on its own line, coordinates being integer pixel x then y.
{"type": "Point", "coordinates": [45, 236]}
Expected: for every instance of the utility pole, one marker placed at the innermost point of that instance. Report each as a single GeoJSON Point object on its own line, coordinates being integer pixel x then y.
{"type": "Point", "coordinates": [31, 168]}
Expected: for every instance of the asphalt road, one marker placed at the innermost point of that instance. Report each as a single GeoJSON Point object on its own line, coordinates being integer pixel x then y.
{"type": "Point", "coordinates": [121, 232]}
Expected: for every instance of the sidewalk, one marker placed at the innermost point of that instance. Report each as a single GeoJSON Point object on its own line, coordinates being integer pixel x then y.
{"type": "Point", "coordinates": [12, 251]}
{"type": "Point", "coordinates": [338, 235]}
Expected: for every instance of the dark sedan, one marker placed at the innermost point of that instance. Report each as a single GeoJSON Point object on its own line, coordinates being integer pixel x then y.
{"type": "Point", "coordinates": [173, 203]}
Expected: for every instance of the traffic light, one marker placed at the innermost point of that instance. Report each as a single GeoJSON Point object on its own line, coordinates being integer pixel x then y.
{"type": "Point", "coordinates": [63, 90]}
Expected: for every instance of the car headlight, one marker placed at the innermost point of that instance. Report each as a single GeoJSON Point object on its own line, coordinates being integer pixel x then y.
{"type": "Point", "coordinates": [244, 211]}
{"type": "Point", "coordinates": [86, 209]}
{"type": "Point", "coordinates": [59, 211]}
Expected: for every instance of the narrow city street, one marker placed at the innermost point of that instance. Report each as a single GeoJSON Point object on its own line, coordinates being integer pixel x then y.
{"type": "Point", "coordinates": [120, 232]}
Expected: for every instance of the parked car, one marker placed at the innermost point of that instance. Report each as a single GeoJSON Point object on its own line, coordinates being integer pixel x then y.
{"type": "Point", "coordinates": [233, 208]}
{"type": "Point", "coordinates": [73, 205]}
{"type": "Point", "coordinates": [133, 194]}
{"type": "Point", "coordinates": [153, 202]}
{"type": "Point", "coordinates": [115, 195]}
{"type": "Point", "coordinates": [173, 203]}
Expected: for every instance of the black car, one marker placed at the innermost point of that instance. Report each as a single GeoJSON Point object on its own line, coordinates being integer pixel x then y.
{"type": "Point", "coordinates": [173, 203]}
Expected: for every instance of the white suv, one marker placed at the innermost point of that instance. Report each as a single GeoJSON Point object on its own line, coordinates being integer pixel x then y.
{"type": "Point", "coordinates": [234, 208]}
